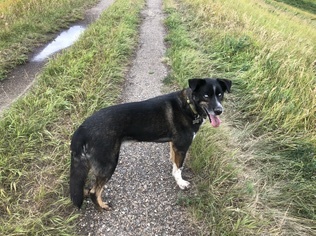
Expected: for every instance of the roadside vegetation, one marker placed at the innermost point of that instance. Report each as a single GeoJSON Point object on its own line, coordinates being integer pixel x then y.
{"type": "Point", "coordinates": [256, 174]}
{"type": "Point", "coordinates": [25, 24]}
{"type": "Point", "coordinates": [35, 132]}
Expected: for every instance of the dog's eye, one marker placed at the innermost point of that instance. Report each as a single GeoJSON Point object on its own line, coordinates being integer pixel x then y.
{"type": "Point", "coordinates": [219, 95]}
{"type": "Point", "coordinates": [206, 96]}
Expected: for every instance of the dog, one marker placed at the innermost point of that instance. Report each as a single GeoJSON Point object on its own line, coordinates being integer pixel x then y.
{"type": "Point", "coordinates": [175, 118]}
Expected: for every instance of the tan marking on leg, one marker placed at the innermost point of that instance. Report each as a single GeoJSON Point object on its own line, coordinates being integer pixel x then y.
{"type": "Point", "coordinates": [95, 195]}
{"type": "Point", "coordinates": [176, 159]}
{"type": "Point", "coordinates": [172, 154]}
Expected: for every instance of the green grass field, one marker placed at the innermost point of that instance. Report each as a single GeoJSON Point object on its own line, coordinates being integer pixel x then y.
{"type": "Point", "coordinates": [255, 175]}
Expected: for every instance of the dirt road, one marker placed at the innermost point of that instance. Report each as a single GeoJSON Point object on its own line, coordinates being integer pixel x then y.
{"type": "Point", "coordinates": [142, 190]}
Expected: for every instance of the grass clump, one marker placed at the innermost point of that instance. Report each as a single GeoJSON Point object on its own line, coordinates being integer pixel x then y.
{"type": "Point", "coordinates": [267, 51]}
{"type": "Point", "coordinates": [26, 24]}
{"type": "Point", "coordinates": [35, 132]}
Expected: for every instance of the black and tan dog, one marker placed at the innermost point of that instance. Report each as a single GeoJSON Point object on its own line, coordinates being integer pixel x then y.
{"type": "Point", "coordinates": [174, 118]}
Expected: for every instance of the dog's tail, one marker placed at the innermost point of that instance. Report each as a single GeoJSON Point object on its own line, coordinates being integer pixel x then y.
{"type": "Point", "coordinates": [79, 167]}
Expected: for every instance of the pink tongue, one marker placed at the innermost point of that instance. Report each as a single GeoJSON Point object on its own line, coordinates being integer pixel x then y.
{"type": "Point", "coordinates": [215, 121]}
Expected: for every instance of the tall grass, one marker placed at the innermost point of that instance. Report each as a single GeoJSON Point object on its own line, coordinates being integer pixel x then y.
{"type": "Point", "coordinates": [25, 24]}
{"type": "Point", "coordinates": [268, 52]}
{"type": "Point", "coordinates": [35, 132]}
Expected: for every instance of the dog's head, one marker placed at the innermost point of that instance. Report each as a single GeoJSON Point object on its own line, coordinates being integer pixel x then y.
{"type": "Point", "coordinates": [207, 95]}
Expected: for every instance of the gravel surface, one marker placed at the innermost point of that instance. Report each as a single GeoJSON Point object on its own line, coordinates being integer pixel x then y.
{"type": "Point", "coordinates": [142, 191]}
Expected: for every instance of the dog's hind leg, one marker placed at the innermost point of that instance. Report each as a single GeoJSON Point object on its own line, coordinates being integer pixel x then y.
{"type": "Point", "coordinates": [103, 169]}
{"type": "Point", "coordinates": [177, 157]}
{"type": "Point", "coordinates": [96, 192]}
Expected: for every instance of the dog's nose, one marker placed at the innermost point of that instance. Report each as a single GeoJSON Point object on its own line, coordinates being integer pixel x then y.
{"type": "Point", "coordinates": [218, 110]}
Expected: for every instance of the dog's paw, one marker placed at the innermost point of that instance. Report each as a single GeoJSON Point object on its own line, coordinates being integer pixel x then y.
{"type": "Point", "coordinates": [176, 172]}
{"type": "Point", "coordinates": [106, 206]}
{"type": "Point", "coordinates": [103, 206]}
{"type": "Point", "coordinates": [183, 184]}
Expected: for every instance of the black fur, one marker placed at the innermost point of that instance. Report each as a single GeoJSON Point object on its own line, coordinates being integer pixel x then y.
{"type": "Point", "coordinates": [173, 117]}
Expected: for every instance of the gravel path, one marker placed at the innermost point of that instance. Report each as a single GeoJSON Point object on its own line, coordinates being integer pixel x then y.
{"type": "Point", "coordinates": [142, 191]}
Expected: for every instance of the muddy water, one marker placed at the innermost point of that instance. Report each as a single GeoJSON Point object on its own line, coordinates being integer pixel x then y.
{"type": "Point", "coordinates": [22, 77]}
{"type": "Point", "coordinates": [63, 40]}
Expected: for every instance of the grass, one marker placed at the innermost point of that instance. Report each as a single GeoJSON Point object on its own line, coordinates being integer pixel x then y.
{"type": "Point", "coordinates": [267, 51]}
{"type": "Point", "coordinates": [26, 24]}
{"type": "Point", "coordinates": [306, 5]}
{"type": "Point", "coordinates": [35, 132]}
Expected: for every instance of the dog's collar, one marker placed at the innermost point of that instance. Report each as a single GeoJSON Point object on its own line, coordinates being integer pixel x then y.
{"type": "Point", "coordinates": [197, 118]}
{"type": "Point", "coordinates": [191, 105]}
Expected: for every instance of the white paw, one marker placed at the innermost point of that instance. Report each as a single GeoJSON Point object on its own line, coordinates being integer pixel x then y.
{"type": "Point", "coordinates": [183, 184]}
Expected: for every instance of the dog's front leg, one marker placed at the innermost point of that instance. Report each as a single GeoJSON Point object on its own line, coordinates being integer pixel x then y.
{"type": "Point", "coordinates": [177, 158]}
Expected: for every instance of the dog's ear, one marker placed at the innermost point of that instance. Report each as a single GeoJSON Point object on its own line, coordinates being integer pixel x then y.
{"type": "Point", "coordinates": [196, 83]}
{"type": "Point", "coordinates": [225, 84]}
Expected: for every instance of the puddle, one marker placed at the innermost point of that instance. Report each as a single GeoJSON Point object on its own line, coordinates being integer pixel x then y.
{"type": "Point", "coordinates": [64, 40]}
{"type": "Point", "coordinates": [22, 77]}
